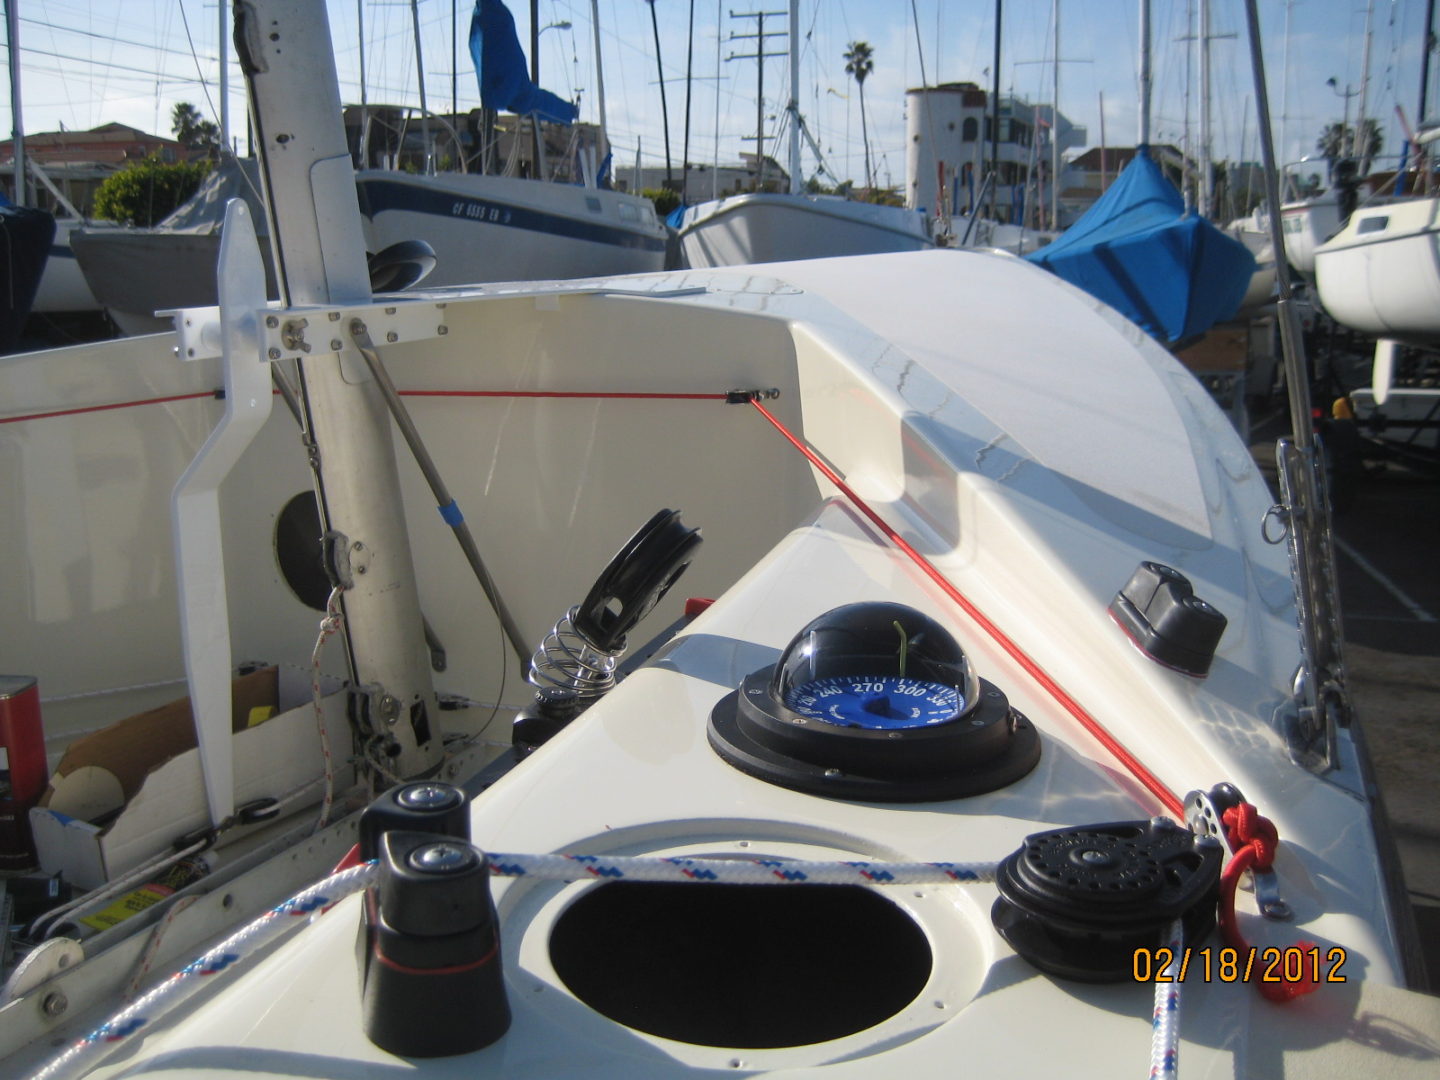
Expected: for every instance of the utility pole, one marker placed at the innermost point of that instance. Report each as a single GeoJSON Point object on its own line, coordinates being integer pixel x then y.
{"type": "Point", "coordinates": [759, 56]}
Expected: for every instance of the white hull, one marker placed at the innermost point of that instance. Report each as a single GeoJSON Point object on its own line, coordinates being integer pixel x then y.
{"type": "Point", "coordinates": [1306, 225]}
{"type": "Point", "coordinates": [763, 228]}
{"type": "Point", "coordinates": [1007, 455]}
{"type": "Point", "coordinates": [63, 287]}
{"type": "Point", "coordinates": [1381, 274]}
{"type": "Point", "coordinates": [495, 228]}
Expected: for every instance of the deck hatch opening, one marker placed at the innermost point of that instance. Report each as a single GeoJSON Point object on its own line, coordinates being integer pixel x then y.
{"type": "Point", "coordinates": [745, 966]}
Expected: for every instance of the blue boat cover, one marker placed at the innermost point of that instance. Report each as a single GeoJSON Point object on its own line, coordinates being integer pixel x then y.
{"type": "Point", "coordinates": [1172, 273]}
{"type": "Point", "coordinates": [505, 84]}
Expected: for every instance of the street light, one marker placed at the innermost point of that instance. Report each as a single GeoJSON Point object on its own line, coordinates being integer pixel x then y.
{"type": "Point", "coordinates": [1345, 134]}
{"type": "Point", "coordinates": [555, 26]}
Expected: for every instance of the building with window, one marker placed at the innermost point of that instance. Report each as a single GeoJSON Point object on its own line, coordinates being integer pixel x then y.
{"type": "Point", "coordinates": [948, 141]}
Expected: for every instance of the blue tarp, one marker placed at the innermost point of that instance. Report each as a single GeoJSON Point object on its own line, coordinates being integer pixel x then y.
{"type": "Point", "coordinates": [1173, 273]}
{"type": "Point", "coordinates": [505, 84]}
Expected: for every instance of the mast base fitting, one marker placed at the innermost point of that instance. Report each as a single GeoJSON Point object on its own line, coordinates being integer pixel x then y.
{"type": "Point", "coordinates": [1077, 903]}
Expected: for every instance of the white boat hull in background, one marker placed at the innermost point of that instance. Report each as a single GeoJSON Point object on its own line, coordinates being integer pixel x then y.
{"type": "Point", "coordinates": [1381, 273]}
{"type": "Point", "coordinates": [1306, 225]}
{"type": "Point", "coordinates": [765, 227]}
{"type": "Point", "coordinates": [497, 228]}
{"type": "Point", "coordinates": [63, 287]}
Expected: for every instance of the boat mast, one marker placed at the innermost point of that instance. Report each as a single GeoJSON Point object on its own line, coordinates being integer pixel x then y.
{"type": "Point", "coordinates": [794, 107]}
{"type": "Point", "coordinates": [1426, 46]}
{"type": "Point", "coordinates": [17, 123]}
{"type": "Point", "coordinates": [224, 51]}
{"type": "Point", "coordinates": [1207, 161]}
{"type": "Point", "coordinates": [420, 78]}
{"type": "Point", "coordinates": [315, 235]}
{"type": "Point", "coordinates": [604, 147]}
{"type": "Point", "coordinates": [1358, 144]}
{"type": "Point", "coordinates": [1055, 130]}
{"type": "Point", "coordinates": [995, 113]}
{"type": "Point", "coordinates": [1145, 79]}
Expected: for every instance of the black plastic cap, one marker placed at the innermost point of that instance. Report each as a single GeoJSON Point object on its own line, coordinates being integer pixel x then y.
{"type": "Point", "coordinates": [1159, 611]}
{"type": "Point", "coordinates": [426, 807]}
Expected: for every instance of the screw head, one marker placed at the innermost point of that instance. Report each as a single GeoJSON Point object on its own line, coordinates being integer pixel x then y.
{"type": "Point", "coordinates": [272, 321]}
{"type": "Point", "coordinates": [441, 858]}
{"type": "Point", "coordinates": [392, 337]}
{"type": "Point", "coordinates": [274, 354]}
{"type": "Point", "coordinates": [55, 1004]}
{"type": "Point", "coordinates": [336, 344]}
{"type": "Point", "coordinates": [427, 797]}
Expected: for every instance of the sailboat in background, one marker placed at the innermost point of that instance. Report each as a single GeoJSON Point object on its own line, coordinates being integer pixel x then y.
{"type": "Point", "coordinates": [1380, 273]}
{"type": "Point", "coordinates": [765, 226]}
{"type": "Point", "coordinates": [484, 227]}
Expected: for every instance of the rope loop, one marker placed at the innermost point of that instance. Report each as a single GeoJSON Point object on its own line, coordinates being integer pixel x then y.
{"type": "Point", "coordinates": [1246, 827]}
{"type": "Point", "coordinates": [1254, 840]}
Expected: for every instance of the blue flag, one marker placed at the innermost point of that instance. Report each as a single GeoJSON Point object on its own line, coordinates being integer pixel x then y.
{"type": "Point", "coordinates": [505, 84]}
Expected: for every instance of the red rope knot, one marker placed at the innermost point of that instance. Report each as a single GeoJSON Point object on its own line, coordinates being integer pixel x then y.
{"type": "Point", "coordinates": [1245, 827]}
{"type": "Point", "coordinates": [1254, 840]}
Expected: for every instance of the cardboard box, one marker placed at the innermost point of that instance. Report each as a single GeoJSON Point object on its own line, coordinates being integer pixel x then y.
{"type": "Point", "coordinates": [123, 795]}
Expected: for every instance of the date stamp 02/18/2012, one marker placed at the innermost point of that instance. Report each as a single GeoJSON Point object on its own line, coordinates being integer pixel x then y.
{"type": "Point", "coordinates": [1292, 964]}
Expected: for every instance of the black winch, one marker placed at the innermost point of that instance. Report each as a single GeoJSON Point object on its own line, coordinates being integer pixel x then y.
{"type": "Point", "coordinates": [1077, 903]}
{"type": "Point", "coordinates": [874, 701]}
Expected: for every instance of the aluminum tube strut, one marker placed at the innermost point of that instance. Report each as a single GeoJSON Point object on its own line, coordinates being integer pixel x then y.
{"type": "Point", "coordinates": [448, 508]}
{"type": "Point", "coordinates": [286, 54]}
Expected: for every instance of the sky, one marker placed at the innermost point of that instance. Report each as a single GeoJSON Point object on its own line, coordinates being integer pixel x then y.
{"type": "Point", "coordinates": [89, 62]}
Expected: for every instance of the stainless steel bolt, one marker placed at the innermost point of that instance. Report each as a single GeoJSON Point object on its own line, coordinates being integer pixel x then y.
{"type": "Point", "coordinates": [392, 337]}
{"type": "Point", "coordinates": [274, 354]}
{"type": "Point", "coordinates": [55, 1004]}
{"type": "Point", "coordinates": [272, 321]}
{"type": "Point", "coordinates": [442, 329]}
{"type": "Point", "coordinates": [336, 344]}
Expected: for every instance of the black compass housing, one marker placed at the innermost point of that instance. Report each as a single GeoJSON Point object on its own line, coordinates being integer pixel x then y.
{"type": "Point", "coordinates": [984, 746]}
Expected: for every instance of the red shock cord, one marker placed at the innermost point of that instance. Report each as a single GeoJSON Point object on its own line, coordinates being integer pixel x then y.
{"type": "Point", "coordinates": [1131, 763]}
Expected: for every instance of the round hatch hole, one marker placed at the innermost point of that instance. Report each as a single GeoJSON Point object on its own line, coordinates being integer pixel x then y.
{"type": "Point", "coordinates": [300, 552]}
{"type": "Point", "coordinates": [750, 966]}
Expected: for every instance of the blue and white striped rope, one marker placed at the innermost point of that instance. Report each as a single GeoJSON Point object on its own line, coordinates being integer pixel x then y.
{"type": "Point", "coordinates": [148, 1009]}
{"type": "Point", "coordinates": [1165, 1039]}
{"type": "Point", "coordinates": [728, 870]}
{"type": "Point", "coordinates": [145, 1011]}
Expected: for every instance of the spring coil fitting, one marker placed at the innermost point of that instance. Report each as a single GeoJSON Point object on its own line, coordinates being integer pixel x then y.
{"type": "Point", "coordinates": [567, 659]}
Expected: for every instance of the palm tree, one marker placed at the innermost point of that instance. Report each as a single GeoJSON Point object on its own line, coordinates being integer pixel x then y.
{"type": "Point", "coordinates": [859, 63]}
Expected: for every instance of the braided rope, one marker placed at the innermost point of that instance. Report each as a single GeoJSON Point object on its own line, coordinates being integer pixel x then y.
{"type": "Point", "coordinates": [146, 1010]}
{"type": "Point", "coordinates": [328, 626]}
{"type": "Point", "coordinates": [733, 871]}
{"type": "Point", "coordinates": [1165, 1040]}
